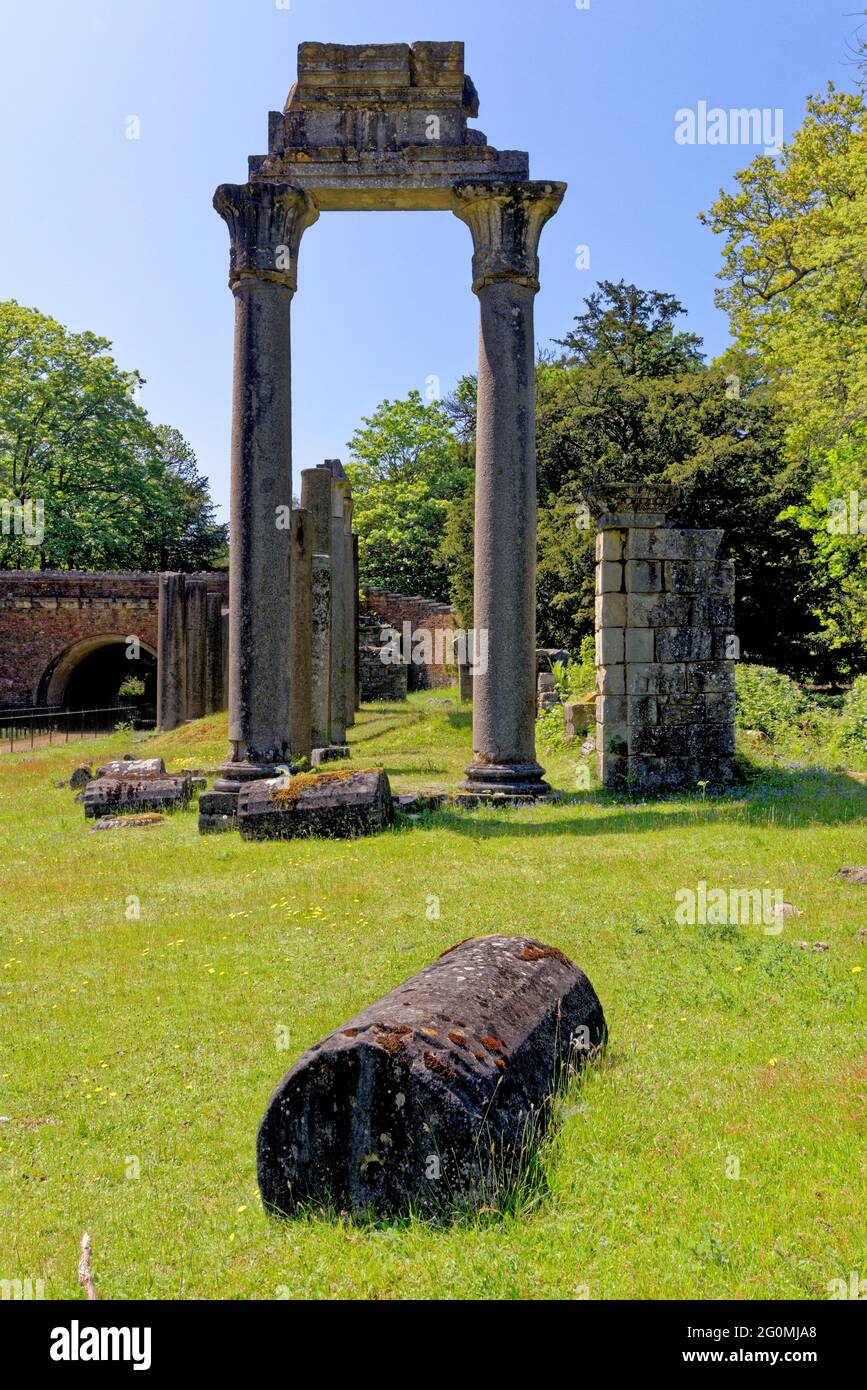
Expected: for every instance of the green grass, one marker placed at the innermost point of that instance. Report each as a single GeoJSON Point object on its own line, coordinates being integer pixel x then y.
{"type": "Point", "coordinates": [158, 1038]}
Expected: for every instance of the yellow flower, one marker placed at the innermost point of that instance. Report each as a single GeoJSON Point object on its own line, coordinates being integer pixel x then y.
{"type": "Point", "coordinates": [856, 969]}
{"type": "Point", "coordinates": [772, 1062]}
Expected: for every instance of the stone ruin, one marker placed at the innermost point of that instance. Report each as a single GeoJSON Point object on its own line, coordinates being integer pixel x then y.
{"type": "Point", "coordinates": [665, 646]}
{"type": "Point", "coordinates": [193, 649]}
{"type": "Point", "coordinates": [382, 126]}
{"type": "Point", "coordinates": [460, 1064]}
{"type": "Point", "coordinates": [434, 1097]}
{"type": "Point", "coordinates": [322, 642]}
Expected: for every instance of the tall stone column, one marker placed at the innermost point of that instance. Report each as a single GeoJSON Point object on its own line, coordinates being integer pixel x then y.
{"type": "Point", "coordinates": [266, 223]}
{"type": "Point", "coordinates": [214, 691]}
{"type": "Point", "coordinates": [301, 645]}
{"type": "Point", "coordinates": [356, 622]}
{"type": "Point", "coordinates": [351, 634]}
{"type": "Point", "coordinates": [172, 652]}
{"type": "Point", "coordinates": [340, 603]}
{"type": "Point", "coordinates": [316, 501]}
{"type": "Point", "coordinates": [506, 221]}
{"type": "Point", "coordinates": [197, 642]}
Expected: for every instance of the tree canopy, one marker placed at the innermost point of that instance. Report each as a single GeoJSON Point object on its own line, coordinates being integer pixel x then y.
{"type": "Point", "coordinates": [114, 491]}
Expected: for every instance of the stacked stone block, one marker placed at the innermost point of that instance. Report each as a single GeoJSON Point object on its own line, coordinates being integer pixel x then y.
{"type": "Point", "coordinates": [665, 652]}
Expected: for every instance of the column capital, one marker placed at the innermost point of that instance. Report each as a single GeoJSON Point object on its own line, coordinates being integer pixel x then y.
{"type": "Point", "coordinates": [266, 222]}
{"type": "Point", "coordinates": [506, 221]}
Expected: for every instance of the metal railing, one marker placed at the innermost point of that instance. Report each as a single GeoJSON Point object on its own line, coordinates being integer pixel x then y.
{"type": "Point", "coordinates": [24, 728]}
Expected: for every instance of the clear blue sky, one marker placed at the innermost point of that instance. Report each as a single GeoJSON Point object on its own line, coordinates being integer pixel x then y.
{"type": "Point", "coordinates": [119, 236]}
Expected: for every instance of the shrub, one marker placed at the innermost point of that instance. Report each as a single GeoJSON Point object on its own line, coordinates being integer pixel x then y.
{"type": "Point", "coordinates": [768, 701]}
{"type": "Point", "coordinates": [576, 678]}
{"type": "Point", "coordinates": [853, 721]}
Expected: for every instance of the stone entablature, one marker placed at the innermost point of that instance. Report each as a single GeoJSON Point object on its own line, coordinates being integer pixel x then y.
{"type": "Point", "coordinates": [382, 125]}
{"type": "Point", "coordinates": [665, 646]}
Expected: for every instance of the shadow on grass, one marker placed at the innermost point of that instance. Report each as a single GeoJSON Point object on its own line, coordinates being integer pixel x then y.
{"type": "Point", "coordinates": [795, 799]}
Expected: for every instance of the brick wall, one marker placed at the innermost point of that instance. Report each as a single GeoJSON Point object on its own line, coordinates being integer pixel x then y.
{"type": "Point", "coordinates": [43, 614]}
{"type": "Point", "coordinates": [423, 614]}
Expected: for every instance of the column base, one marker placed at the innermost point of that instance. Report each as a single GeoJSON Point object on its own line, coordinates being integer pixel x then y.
{"type": "Point", "coordinates": [218, 808]}
{"type": "Point", "coordinates": [506, 781]}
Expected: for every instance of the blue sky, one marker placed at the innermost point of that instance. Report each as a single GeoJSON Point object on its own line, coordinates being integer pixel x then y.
{"type": "Point", "coordinates": [118, 235]}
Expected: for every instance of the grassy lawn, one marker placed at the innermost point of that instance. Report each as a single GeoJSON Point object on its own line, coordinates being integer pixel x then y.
{"type": "Point", "coordinates": [149, 977]}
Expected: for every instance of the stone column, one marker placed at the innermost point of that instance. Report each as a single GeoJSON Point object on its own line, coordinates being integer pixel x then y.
{"type": "Point", "coordinates": [197, 641]}
{"type": "Point", "coordinates": [266, 223]}
{"type": "Point", "coordinates": [506, 221]}
{"type": "Point", "coordinates": [339, 604]}
{"type": "Point", "coordinates": [356, 623]}
{"type": "Point", "coordinates": [351, 632]}
{"type": "Point", "coordinates": [301, 646]}
{"type": "Point", "coordinates": [214, 693]}
{"type": "Point", "coordinates": [172, 652]}
{"type": "Point", "coordinates": [316, 501]}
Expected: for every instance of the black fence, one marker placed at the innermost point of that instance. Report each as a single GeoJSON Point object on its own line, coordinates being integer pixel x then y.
{"type": "Point", "coordinates": [25, 728]}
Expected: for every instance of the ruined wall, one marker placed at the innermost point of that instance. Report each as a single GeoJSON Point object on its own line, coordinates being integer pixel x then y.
{"type": "Point", "coordinates": [45, 613]}
{"type": "Point", "coordinates": [665, 650]}
{"type": "Point", "coordinates": [423, 614]}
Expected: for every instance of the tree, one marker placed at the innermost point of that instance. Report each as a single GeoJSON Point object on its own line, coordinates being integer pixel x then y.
{"type": "Point", "coordinates": [632, 331]}
{"type": "Point", "coordinates": [795, 273]}
{"type": "Point", "coordinates": [632, 401]}
{"type": "Point", "coordinates": [112, 491]}
{"type": "Point", "coordinates": [406, 468]}
{"type": "Point", "coordinates": [795, 270]}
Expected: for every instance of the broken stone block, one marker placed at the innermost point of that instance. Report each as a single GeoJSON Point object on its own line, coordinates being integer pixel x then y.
{"type": "Point", "coordinates": [433, 1097]}
{"type": "Point", "coordinates": [579, 717]}
{"type": "Point", "coordinates": [334, 753]}
{"type": "Point", "coordinates": [80, 778]}
{"type": "Point", "coordinates": [117, 793]}
{"type": "Point", "coordinates": [335, 805]}
{"type": "Point", "coordinates": [855, 873]}
{"type": "Point", "coordinates": [128, 822]}
{"type": "Point", "coordinates": [133, 767]}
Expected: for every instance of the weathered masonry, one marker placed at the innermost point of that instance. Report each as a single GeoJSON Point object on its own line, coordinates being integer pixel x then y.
{"type": "Point", "coordinates": [384, 126]}
{"type": "Point", "coordinates": [665, 646]}
{"type": "Point", "coordinates": [69, 639]}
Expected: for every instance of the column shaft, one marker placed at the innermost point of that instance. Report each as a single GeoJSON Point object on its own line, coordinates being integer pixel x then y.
{"type": "Point", "coordinates": [260, 618]}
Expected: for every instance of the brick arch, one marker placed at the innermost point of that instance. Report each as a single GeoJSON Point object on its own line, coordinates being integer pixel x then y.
{"type": "Point", "coordinates": [55, 679]}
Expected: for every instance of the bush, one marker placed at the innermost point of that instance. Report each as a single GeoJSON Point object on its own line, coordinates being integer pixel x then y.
{"type": "Point", "coordinates": [577, 678]}
{"type": "Point", "coordinates": [853, 721]}
{"type": "Point", "coordinates": [768, 701]}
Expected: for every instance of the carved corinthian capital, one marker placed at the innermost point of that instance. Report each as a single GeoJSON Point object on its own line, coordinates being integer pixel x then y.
{"type": "Point", "coordinates": [506, 221]}
{"type": "Point", "coordinates": [266, 222]}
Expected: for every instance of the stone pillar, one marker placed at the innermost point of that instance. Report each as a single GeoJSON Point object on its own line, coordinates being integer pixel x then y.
{"type": "Point", "coordinates": [266, 223]}
{"type": "Point", "coordinates": [340, 617]}
{"type": "Point", "coordinates": [316, 501]}
{"type": "Point", "coordinates": [506, 221]}
{"type": "Point", "coordinates": [214, 693]}
{"type": "Point", "coordinates": [351, 632]}
{"type": "Point", "coordinates": [665, 646]}
{"type": "Point", "coordinates": [172, 652]}
{"type": "Point", "coordinates": [197, 642]}
{"type": "Point", "coordinates": [301, 644]}
{"type": "Point", "coordinates": [356, 625]}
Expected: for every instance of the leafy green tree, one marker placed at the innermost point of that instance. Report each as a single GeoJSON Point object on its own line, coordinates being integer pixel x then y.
{"type": "Point", "coordinates": [632, 331]}
{"type": "Point", "coordinates": [406, 467]}
{"type": "Point", "coordinates": [115, 492]}
{"type": "Point", "coordinates": [794, 272]}
{"type": "Point", "coordinates": [654, 412]}
{"type": "Point", "coordinates": [795, 268]}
